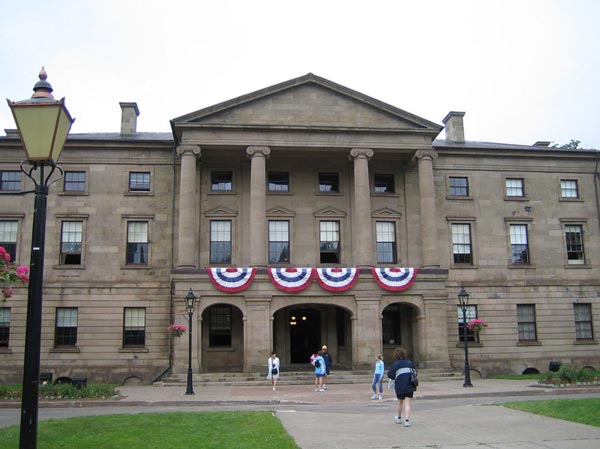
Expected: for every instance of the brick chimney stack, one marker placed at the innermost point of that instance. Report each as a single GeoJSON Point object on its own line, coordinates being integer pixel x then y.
{"type": "Point", "coordinates": [129, 115]}
{"type": "Point", "coordinates": [455, 130]}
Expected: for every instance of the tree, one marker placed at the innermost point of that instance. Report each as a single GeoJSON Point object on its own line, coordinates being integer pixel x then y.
{"type": "Point", "coordinates": [572, 145]}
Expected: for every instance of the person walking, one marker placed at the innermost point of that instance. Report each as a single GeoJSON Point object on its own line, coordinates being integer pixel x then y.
{"type": "Point", "coordinates": [401, 371]}
{"type": "Point", "coordinates": [328, 362]}
{"type": "Point", "coordinates": [378, 377]}
{"type": "Point", "coordinates": [273, 369]}
{"type": "Point", "coordinates": [320, 371]}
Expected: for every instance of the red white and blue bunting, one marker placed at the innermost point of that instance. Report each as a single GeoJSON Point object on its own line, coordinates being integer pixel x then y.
{"type": "Point", "coordinates": [290, 279]}
{"type": "Point", "coordinates": [394, 279]}
{"type": "Point", "coordinates": [231, 279]}
{"type": "Point", "coordinates": [336, 279]}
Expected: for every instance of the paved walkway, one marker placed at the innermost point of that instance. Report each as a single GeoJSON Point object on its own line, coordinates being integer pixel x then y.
{"type": "Point", "coordinates": [345, 417]}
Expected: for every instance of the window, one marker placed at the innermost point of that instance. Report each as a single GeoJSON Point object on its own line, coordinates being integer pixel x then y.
{"type": "Point", "coordinates": [329, 182]}
{"type": "Point", "coordinates": [139, 182]}
{"type": "Point", "coordinates": [10, 181]}
{"type": "Point", "coordinates": [526, 322]}
{"type": "Point", "coordinates": [278, 182]}
{"type": "Point", "coordinates": [74, 181]}
{"type": "Point", "coordinates": [519, 244]}
{"type": "Point", "coordinates": [220, 241]}
{"type": "Point", "coordinates": [574, 240]}
{"type": "Point", "coordinates": [8, 237]}
{"type": "Point", "coordinates": [134, 327]}
{"type": "Point", "coordinates": [4, 326]}
{"type": "Point", "coordinates": [461, 243]}
{"type": "Point", "coordinates": [514, 187]}
{"type": "Point", "coordinates": [569, 188]}
{"type": "Point", "coordinates": [386, 242]}
{"type": "Point", "coordinates": [221, 181]}
{"type": "Point", "coordinates": [329, 241]}
{"type": "Point", "coordinates": [137, 243]}
{"type": "Point", "coordinates": [219, 328]}
{"type": "Point", "coordinates": [70, 243]}
{"type": "Point", "coordinates": [459, 186]}
{"type": "Point", "coordinates": [279, 241]}
{"type": "Point", "coordinates": [384, 183]}
{"type": "Point", "coordinates": [470, 315]}
{"type": "Point", "coordinates": [583, 322]}
{"type": "Point", "coordinates": [65, 332]}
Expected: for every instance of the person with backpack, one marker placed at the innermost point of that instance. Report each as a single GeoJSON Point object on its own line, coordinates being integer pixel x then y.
{"type": "Point", "coordinates": [401, 372]}
{"type": "Point", "coordinates": [320, 371]}
{"type": "Point", "coordinates": [328, 362]}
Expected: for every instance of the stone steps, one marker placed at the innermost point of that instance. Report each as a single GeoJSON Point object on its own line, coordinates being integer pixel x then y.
{"type": "Point", "coordinates": [294, 378]}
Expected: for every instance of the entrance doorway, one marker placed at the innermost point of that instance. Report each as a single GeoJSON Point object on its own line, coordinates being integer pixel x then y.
{"type": "Point", "coordinates": [305, 333]}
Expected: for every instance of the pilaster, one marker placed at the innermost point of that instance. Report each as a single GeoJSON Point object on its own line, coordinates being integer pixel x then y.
{"type": "Point", "coordinates": [258, 204]}
{"type": "Point", "coordinates": [428, 210]}
{"type": "Point", "coordinates": [362, 229]}
{"type": "Point", "coordinates": [187, 244]}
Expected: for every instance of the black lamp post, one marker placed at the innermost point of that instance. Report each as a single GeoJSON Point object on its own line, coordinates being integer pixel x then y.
{"type": "Point", "coordinates": [43, 125]}
{"type": "Point", "coordinates": [190, 305]}
{"type": "Point", "coordinates": [463, 302]}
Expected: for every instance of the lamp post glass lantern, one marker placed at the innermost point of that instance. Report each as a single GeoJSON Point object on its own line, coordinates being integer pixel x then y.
{"type": "Point", "coordinates": [463, 303]}
{"type": "Point", "coordinates": [43, 124]}
{"type": "Point", "coordinates": [190, 305]}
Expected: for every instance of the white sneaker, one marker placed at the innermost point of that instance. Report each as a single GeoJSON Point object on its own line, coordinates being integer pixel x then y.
{"type": "Point", "coordinates": [406, 423]}
{"type": "Point", "coordinates": [322, 389]}
{"type": "Point", "coordinates": [374, 397]}
{"type": "Point", "coordinates": [397, 420]}
{"type": "Point", "coordinates": [273, 388]}
{"type": "Point", "coordinates": [380, 397]}
{"type": "Point", "coordinates": [316, 389]}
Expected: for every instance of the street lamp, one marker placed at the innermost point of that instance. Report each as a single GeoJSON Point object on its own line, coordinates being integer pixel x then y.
{"type": "Point", "coordinates": [43, 124]}
{"type": "Point", "coordinates": [190, 305]}
{"type": "Point", "coordinates": [463, 302]}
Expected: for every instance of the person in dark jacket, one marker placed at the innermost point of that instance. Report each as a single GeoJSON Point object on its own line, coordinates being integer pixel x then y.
{"type": "Point", "coordinates": [328, 362]}
{"type": "Point", "coordinates": [401, 373]}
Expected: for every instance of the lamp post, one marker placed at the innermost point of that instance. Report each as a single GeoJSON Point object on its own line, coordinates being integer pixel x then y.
{"type": "Point", "coordinates": [43, 124]}
{"type": "Point", "coordinates": [190, 305]}
{"type": "Point", "coordinates": [463, 302]}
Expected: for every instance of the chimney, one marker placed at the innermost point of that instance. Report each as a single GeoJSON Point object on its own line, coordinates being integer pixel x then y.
{"type": "Point", "coordinates": [455, 130]}
{"type": "Point", "coordinates": [129, 115]}
{"type": "Point", "coordinates": [542, 143]}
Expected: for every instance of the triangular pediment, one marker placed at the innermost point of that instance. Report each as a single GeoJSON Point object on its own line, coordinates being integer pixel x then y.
{"type": "Point", "coordinates": [330, 212]}
{"type": "Point", "coordinates": [279, 211]}
{"type": "Point", "coordinates": [386, 212]}
{"type": "Point", "coordinates": [308, 102]}
{"type": "Point", "coordinates": [221, 212]}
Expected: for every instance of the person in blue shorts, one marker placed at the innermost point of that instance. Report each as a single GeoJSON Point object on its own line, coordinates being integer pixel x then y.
{"type": "Point", "coordinates": [320, 371]}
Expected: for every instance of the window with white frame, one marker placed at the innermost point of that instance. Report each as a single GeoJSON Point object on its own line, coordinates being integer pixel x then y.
{"type": "Point", "coordinates": [71, 243]}
{"type": "Point", "coordinates": [519, 244]}
{"type": "Point", "coordinates": [471, 314]}
{"type": "Point", "coordinates": [221, 181]}
{"type": "Point", "coordinates": [278, 182]}
{"type": "Point", "coordinates": [462, 251]}
{"type": "Point", "coordinates": [10, 181]}
{"type": "Point", "coordinates": [459, 185]}
{"type": "Point", "coordinates": [134, 327]}
{"type": "Point", "coordinates": [329, 182]}
{"type": "Point", "coordinates": [386, 242]}
{"type": "Point", "coordinates": [220, 241]}
{"type": "Point", "coordinates": [526, 322]}
{"type": "Point", "coordinates": [74, 181]}
{"type": "Point", "coordinates": [137, 243]}
{"type": "Point", "coordinates": [279, 241]}
{"type": "Point", "coordinates": [514, 187]}
{"type": "Point", "coordinates": [65, 330]}
{"type": "Point", "coordinates": [139, 181]}
{"type": "Point", "coordinates": [4, 327]}
{"type": "Point", "coordinates": [569, 189]}
{"type": "Point", "coordinates": [329, 243]}
{"type": "Point", "coordinates": [574, 241]}
{"type": "Point", "coordinates": [384, 183]}
{"type": "Point", "coordinates": [8, 237]}
{"type": "Point", "coordinates": [584, 329]}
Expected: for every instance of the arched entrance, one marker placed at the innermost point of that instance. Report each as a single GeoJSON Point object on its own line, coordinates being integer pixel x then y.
{"type": "Point", "coordinates": [399, 328]}
{"type": "Point", "coordinates": [301, 329]}
{"type": "Point", "coordinates": [222, 339]}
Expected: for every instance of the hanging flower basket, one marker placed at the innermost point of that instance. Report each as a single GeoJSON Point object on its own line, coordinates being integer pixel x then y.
{"type": "Point", "coordinates": [177, 330]}
{"type": "Point", "coordinates": [477, 325]}
{"type": "Point", "coordinates": [10, 273]}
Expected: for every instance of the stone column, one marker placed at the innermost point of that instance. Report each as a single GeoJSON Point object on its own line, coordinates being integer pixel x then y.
{"type": "Point", "coordinates": [366, 332]}
{"type": "Point", "coordinates": [428, 214]}
{"type": "Point", "coordinates": [258, 333]}
{"type": "Point", "coordinates": [362, 230]}
{"type": "Point", "coordinates": [187, 243]}
{"type": "Point", "coordinates": [258, 205]}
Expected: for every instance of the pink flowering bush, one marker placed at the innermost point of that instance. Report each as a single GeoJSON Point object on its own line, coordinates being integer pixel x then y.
{"type": "Point", "coordinates": [477, 325]}
{"type": "Point", "coordinates": [10, 273]}
{"type": "Point", "coordinates": [177, 330]}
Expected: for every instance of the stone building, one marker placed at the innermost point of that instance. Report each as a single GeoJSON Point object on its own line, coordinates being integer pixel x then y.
{"type": "Point", "coordinates": [304, 214]}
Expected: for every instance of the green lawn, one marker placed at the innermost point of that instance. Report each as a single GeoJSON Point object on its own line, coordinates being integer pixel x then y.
{"type": "Point", "coordinates": [584, 411]}
{"type": "Point", "coordinates": [214, 430]}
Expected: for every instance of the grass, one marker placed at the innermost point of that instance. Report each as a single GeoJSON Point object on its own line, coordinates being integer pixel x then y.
{"type": "Point", "coordinates": [583, 411]}
{"type": "Point", "coordinates": [194, 430]}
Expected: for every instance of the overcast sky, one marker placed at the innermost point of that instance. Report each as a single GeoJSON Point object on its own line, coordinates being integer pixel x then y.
{"type": "Point", "coordinates": [522, 70]}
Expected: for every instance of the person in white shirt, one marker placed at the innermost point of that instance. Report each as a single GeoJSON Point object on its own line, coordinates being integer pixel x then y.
{"type": "Point", "coordinates": [273, 369]}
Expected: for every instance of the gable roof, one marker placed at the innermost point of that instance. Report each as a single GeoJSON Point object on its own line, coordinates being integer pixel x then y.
{"type": "Point", "coordinates": [307, 102]}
